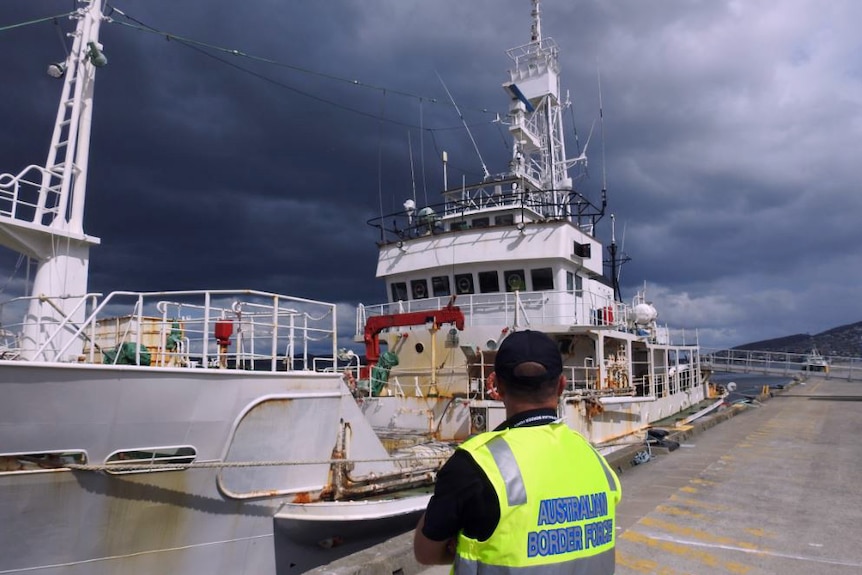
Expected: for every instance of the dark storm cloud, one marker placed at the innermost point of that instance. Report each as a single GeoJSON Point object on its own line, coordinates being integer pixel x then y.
{"type": "Point", "coordinates": [730, 128]}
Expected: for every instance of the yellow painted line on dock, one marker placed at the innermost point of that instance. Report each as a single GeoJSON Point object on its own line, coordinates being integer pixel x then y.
{"type": "Point", "coordinates": [704, 482]}
{"type": "Point", "coordinates": [682, 549]}
{"type": "Point", "coordinates": [641, 565]}
{"type": "Point", "coordinates": [759, 532]}
{"type": "Point", "coordinates": [697, 534]}
{"type": "Point", "coordinates": [678, 511]}
{"type": "Point", "coordinates": [697, 503]}
{"type": "Point", "coordinates": [686, 548]}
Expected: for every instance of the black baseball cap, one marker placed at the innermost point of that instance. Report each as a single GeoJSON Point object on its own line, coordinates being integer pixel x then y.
{"type": "Point", "coordinates": [525, 347]}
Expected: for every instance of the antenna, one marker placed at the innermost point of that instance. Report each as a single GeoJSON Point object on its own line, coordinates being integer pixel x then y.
{"type": "Point", "coordinates": [602, 130]}
{"type": "Point", "coordinates": [412, 171]}
{"type": "Point", "coordinates": [623, 257]}
{"type": "Point", "coordinates": [469, 133]}
{"type": "Point", "coordinates": [422, 150]}
{"type": "Point", "coordinates": [618, 258]}
{"type": "Point", "coordinates": [536, 31]}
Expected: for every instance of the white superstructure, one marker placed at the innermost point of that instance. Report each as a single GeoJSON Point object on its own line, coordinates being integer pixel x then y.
{"type": "Point", "coordinates": [515, 251]}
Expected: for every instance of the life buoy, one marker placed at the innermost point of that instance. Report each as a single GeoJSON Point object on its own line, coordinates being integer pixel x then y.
{"type": "Point", "coordinates": [418, 290]}
{"type": "Point", "coordinates": [490, 390]}
{"type": "Point", "coordinates": [515, 282]}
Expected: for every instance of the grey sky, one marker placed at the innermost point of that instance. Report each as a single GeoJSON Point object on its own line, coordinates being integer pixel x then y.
{"type": "Point", "coordinates": [731, 142]}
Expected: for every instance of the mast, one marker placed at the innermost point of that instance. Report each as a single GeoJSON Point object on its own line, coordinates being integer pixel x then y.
{"type": "Point", "coordinates": [616, 261]}
{"type": "Point", "coordinates": [537, 23]}
{"type": "Point", "coordinates": [538, 149]}
{"type": "Point", "coordinates": [45, 221]}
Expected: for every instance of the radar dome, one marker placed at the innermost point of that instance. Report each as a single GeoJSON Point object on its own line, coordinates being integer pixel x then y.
{"type": "Point", "coordinates": [645, 313]}
{"type": "Point", "coordinates": [426, 215]}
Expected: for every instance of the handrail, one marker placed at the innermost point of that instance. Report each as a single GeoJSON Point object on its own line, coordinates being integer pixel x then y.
{"type": "Point", "coordinates": [778, 363]}
{"type": "Point", "coordinates": [293, 330]}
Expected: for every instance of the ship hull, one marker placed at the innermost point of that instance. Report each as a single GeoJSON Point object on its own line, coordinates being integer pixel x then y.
{"type": "Point", "coordinates": [200, 519]}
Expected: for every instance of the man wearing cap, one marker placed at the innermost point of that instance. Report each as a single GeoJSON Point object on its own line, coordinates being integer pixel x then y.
{"type": "Point", "coordinates": [532, 496]}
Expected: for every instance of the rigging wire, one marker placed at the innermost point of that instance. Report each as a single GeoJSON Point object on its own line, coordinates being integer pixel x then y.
{"type": "Point", "coordinates": [13, 273]}
{"type": "Point", "coordinates": [469, 133]}
{"type": "Point", "coordinates": [502, 135]}
{"type": "Point", "coordinates": [463, 170]}
{"type": "Point", "coordinates": [60, 36]}
{"type": "Point", "coordinates": [602, 130]}
{"type": "Point", "coordinates": [38, 21]}
{"type": "Point", "coordinates": [380, 164]}
{"type": "Point", "coordinates": [203, 48]}
{"type": "Point", "coordinates": [412, 170]}
{"type": "Point", "coordinates": [422, 150]}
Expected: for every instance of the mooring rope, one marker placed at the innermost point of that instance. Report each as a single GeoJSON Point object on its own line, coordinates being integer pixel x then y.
{"type": "Point", "coordinates": [150, 464]}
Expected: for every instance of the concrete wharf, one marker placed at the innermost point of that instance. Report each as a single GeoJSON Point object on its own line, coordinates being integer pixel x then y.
{"type": "Point", "coordinates": [774, 489]}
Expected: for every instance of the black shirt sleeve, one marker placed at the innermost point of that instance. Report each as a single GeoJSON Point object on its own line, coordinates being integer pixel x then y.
{"type": "Point", "coordinates": [463, 499]}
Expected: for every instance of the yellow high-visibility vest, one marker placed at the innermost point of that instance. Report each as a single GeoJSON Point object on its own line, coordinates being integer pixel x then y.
{"type": "Point", "coordinates": [557, 502]}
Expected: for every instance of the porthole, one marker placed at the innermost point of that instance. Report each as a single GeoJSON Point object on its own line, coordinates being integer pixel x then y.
{"type": "Point", "coordinates": [419, 347]}
{"type": "Point", "coordinates": [40, 461]}
{"type": "Point", "coordinates": [150, 459]}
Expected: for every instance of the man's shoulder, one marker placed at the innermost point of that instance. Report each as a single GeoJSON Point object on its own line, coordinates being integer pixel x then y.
{"type": "Point", "coordinates": [477, 441]}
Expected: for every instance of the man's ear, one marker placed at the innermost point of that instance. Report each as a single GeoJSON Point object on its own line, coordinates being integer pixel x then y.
{"type": "Point", "coordinates": [561, 384]}
{"type": "Point", "coordinates": [497, 384]}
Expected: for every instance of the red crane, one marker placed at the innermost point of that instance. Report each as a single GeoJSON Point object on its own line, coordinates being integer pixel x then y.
{"type": "Point", "coordinates": [374, 325]}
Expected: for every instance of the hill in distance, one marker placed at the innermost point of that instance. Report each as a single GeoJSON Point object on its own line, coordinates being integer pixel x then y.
{"type": "Point", "coordinates": [843, 341]}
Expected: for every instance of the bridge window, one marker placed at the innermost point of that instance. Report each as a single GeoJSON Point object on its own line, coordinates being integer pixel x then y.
{"type": "Point", "coordinates": [574, 283]}
{"type": "Point", "coordinates": [515, 280]}
{"type": "Point", "coordinates": [504, 220]}
{"type": "Point", "coordinates": [40, 461]}
{"type": "Point", "coordinates": [480, 222]}
{"type": "Point", "coordinates": [399, 291]}
{"type": "Point", "coordinates": [542, 278]}
{"type": "Point", "coordinates": [150, 459]}
{"type": "Point", "coordinates": [440, 285]}
{"type": "Point", "coordinates": [464, 283]}
{"type": "Point", "coordinates": [419, 289]}
{"type": "Point", "coordinates": [459, 226]}
{"type": "Point", "coordinates": [489, 282]}
{"type": "Point", "coordinates": [583, 250]}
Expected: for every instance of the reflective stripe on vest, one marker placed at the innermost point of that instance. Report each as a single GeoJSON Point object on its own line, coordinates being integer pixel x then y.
{"type": "Point", "coordinates": [516, 494]}
{"type": "Point", "coordinates": [612, 483]}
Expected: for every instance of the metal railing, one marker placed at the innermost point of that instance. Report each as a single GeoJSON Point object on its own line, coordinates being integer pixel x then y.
{"type": "Point", "coordinates": [525, 308]}
{"type": "Point", "coordinates": [236, 329]}
{"type": "Point", "coordinates": [780, 363]}
{"type": "Point", "coordinates": [24, 199]}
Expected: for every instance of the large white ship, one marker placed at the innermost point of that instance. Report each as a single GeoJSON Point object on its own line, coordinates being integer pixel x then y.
{"type": "Point", "coordinates": [223, 431]}
{"type": "Point", "coordinates": [174, 432]}
{"type": "Point", "coordinates": [515, 251]}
